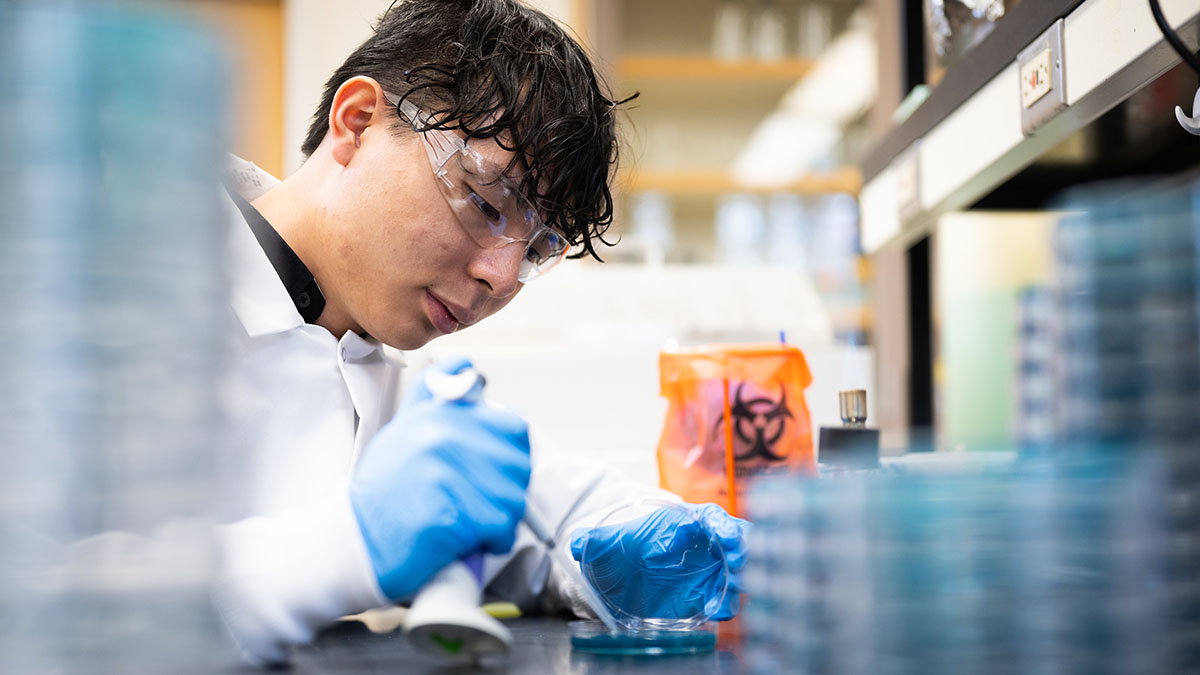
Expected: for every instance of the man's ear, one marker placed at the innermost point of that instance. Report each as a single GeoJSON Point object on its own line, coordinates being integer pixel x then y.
{"type": "Point", "coordinates": [353, 108]}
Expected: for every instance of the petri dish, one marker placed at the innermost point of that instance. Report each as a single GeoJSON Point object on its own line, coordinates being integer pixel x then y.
{"type": "Point", "coordinates": [663, 538]}
{"type": "Point", "coordinates": [593, 637]}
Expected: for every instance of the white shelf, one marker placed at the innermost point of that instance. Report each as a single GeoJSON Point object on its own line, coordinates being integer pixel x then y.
{"type": "Point", "coordinates": [1111, 49]}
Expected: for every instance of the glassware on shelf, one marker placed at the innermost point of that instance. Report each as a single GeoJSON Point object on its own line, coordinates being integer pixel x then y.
{"type": "Point", "coordinates": [767, 41]}
{"type": "Point", "coordinates": [954, 27]}
{"type": "Point", "coordinates": [729, 31]}
{"type": "Point", "coordinates": [740, 227]}
{"type": "Point", "coordinates": [653, 225]}
{"type": "Point", "coordinates": [789, 229]}
{"type": "Point", "coordinates": [816, 29]}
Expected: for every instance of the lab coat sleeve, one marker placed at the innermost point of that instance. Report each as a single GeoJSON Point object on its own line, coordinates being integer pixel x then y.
{"type": "Point", "coordinates": [570, 493]}
{"type": "Point", "coordinates": [284, 577]}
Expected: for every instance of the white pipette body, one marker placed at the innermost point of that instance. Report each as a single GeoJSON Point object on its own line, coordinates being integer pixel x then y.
{"type": "Point", "coordinates": [467, 385]}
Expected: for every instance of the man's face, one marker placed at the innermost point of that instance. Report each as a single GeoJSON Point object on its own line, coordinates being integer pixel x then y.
{"type": "Point", "coordinates": [403, 268]}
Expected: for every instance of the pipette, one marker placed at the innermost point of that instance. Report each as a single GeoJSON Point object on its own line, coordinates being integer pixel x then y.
{"type": "Point", "coordinates": [445, 618]}
{"type": "Point", "coordinates": [467, 385]}
{"type": "Point", "coordinates": [563, 557]}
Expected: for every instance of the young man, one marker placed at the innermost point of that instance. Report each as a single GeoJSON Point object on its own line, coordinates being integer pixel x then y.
{"type": "Point", "coordinates": [456, 155]}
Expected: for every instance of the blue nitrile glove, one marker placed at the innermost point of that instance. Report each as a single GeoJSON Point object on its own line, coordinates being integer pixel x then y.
{"type": "Point", "coordinates": [441, 480]}
{"type": "Point", "coordinates": [637, 564]}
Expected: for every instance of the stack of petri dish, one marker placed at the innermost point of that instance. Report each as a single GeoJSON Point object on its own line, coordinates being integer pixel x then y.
{"type": "Point", "coordinates": [1044, 565]}
{"type": "Point", "coordinates": [1128, 268]}
{"type": "Point", "coordinates": [1129, 380]}
{"type": "Point", "coordinates": [112, 347]}
{"type": "Point", "coordinates": [1037, 335]}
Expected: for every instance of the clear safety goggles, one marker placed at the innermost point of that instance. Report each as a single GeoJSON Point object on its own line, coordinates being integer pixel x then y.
{"type": "Point", "coordinates": [487, 204]}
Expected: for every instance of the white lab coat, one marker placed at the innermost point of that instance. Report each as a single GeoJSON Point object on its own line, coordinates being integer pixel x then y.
{"type": "Point", "coordinates": [305, 405]}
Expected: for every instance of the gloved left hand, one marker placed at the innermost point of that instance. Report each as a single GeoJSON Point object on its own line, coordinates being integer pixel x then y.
{"type": "Point", "coordinates": [642, 563]}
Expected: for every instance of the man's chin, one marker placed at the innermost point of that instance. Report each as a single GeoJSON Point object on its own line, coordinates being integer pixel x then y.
{"type": "Point", "coordinates": [409, 340]}
{"type": "Point", "coordinates": [411, 344]}
{"type": "Point", "coordinates": [406, 341]}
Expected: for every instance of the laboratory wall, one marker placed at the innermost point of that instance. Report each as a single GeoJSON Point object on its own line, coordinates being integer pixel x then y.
{"type": "Point", "coordinates": [984, 261]}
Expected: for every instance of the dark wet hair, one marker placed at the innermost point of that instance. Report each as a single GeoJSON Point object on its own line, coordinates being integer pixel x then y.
{"type": "Point", "coordinates": [499, 69]}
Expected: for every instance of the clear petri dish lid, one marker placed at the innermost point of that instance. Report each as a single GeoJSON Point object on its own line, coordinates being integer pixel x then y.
{"type": "Point", "coordinates": [593, 637]}
{"type": "Point", "coordinates": [655, 565]}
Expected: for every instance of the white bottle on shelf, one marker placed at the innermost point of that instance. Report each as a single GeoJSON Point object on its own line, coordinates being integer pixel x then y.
{"type": "Point", "coordinates": [788, 230]}
{"type": "Point", "coordinates": [729, 31]}
{"type": "Point", "coordinates": [816, 29]}
{"type": "Point", "coordinates": [740, 227]}
{"type": "Point", "coordinates": [653, 226]}
{"type": "Point", "coordinates": [767, 40]}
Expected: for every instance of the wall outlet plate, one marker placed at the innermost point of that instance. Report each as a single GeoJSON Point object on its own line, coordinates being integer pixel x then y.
{"type": "Point", "coordinates": [1036, 78]}
{"type": "Point", "coordinates": [1043, 86]}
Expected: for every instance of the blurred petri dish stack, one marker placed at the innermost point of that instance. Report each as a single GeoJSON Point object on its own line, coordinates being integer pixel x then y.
{"type": "Point", "coordinates": [112, 348]}
{"type": "Point", "coordinates": [1043, 567]}
{"type": "Point", "coordinates": [1129, 379]}
{"type": "Point", "coordinates": [1037, 335]}
{"type": "Point", "coordinates": [1128, 278]}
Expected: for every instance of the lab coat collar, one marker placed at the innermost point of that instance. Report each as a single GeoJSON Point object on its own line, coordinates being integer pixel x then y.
{"type": "Point", "coordinates": [354, 348]}
{"type": "Point", "coordinates": [259, 299]}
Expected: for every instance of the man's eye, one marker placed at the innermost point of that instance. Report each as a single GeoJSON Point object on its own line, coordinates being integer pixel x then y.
{"type": "Point", "coordinates": [484, 207]}
{"type": "Point", "coordinates": [545, 247]}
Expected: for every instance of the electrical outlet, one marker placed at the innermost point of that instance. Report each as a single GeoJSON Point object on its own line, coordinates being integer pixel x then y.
{"type": "Point", "coordinates": [1036, 79]}
{"type": "Point", "coordinates": [1043, 79]}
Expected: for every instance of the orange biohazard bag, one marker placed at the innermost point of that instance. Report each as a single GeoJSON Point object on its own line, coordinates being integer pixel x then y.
{"type": "Point", "coordinates": [735, 412]}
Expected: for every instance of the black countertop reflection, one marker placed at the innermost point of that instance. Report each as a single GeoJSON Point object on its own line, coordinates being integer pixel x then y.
{"type": "Point", "coordinates": [541, 645]}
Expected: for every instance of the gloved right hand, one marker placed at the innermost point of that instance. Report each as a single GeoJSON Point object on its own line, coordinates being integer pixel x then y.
{"type": "Point", "coordinates": [441, 480]}
{"type": "Point", "coordinates": [662, 565]}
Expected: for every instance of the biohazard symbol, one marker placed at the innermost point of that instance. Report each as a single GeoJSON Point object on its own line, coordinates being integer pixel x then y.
{"type": "Point", "coordinates": [758, 423]}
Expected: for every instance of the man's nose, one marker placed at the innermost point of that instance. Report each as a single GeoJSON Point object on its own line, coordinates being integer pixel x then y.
{"type": "Point", "coordinates": [497, 268]}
